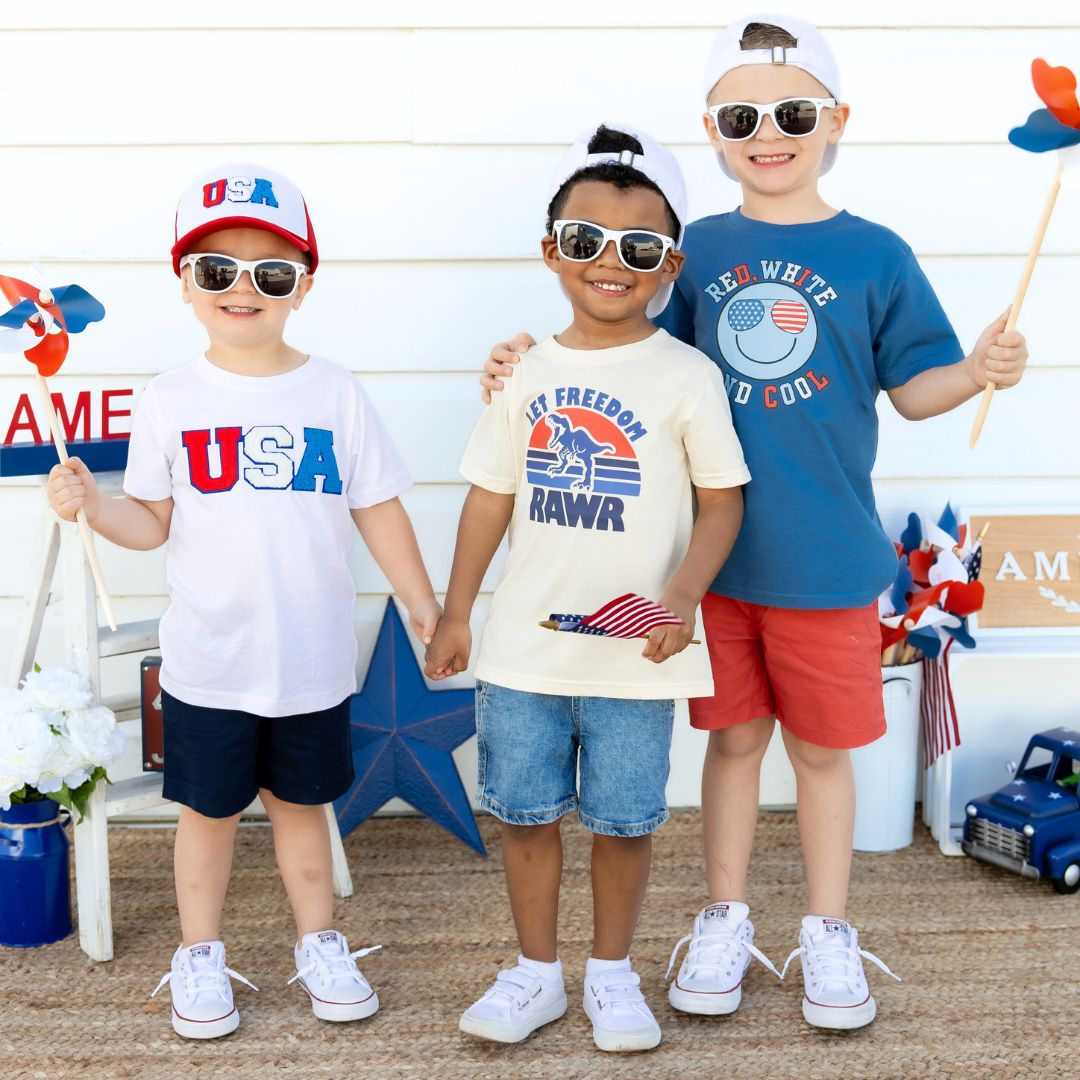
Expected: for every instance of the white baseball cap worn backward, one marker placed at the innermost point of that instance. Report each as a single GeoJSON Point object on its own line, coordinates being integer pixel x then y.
{"type": "Point", "coordinates": [656, 163]}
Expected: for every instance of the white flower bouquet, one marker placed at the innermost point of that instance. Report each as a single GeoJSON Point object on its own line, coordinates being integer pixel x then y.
{"type": "Point", "coordinates": [53, 743]}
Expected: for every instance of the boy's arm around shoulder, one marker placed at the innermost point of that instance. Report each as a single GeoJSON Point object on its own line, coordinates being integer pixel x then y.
{"type": "Point", "coordinates": [998, 357]}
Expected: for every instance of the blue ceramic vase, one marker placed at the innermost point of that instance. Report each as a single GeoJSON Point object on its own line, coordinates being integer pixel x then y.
{"type": "Point", "coordinates": [35, 897]}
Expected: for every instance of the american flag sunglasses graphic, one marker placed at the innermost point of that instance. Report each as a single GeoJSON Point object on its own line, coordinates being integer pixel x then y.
{"type": "Point", "coordinates": [789, 315]}
{"type": "Point", "coordinates": [627, 616]}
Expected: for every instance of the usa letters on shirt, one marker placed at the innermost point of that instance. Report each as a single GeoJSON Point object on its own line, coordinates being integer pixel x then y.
{"type": "Point", "coordinates": [269, 453]}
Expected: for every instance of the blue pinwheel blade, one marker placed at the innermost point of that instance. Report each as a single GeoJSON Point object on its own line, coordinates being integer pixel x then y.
{"type": "Point", "coordinates": [78, 307]}
{"type": "Point", "coordinates": [926, 640]}
{"type": "Point", "coordinates": [1044, 131]}
{"type": "Point", "coordinates": [18, 315]}
{"type": "Point", "coordinates": [947, 522]}
{"type": "Point", "coordinates": [911, 537]}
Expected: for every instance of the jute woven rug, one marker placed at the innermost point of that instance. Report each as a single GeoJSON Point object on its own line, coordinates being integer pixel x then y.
{"type": "Point", "coordinates": [991, 969]}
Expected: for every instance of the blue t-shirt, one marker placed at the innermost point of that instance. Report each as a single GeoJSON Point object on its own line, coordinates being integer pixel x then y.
{"type": "Point", "coordinates": [808, 323]}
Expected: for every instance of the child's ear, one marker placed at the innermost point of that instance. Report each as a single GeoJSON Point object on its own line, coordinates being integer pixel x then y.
{"type": "Point", "coordinates": [185, 285]}
{"type": "Point", "coordinates": [838, 121]}
{"type": "Point", "coordinates": [306, 284]}
{"type": "Point", "coordinates": [550, 251]}
{"type": "Point", "coordinates": [672, 267]}
{"type": "Point", "coordinates": [711, 132]}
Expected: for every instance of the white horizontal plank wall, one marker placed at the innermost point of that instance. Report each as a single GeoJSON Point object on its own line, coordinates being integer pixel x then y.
{"type": "Point", "coordinates": [423, 135]}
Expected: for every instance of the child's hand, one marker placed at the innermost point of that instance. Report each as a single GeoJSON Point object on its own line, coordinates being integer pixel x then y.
{"type": "Point", "coordinates": [424, 618]}
{"type": "Point", "coordinates": [448, 653]}
{"type": "Point", "coordinates": [666, 641]}
{"type": "Point", "coordinates": [998, 357]}
{"type": "Point", "coordinates": [72, 488]}
{"type": "Point", "coordinates": [498, 363]}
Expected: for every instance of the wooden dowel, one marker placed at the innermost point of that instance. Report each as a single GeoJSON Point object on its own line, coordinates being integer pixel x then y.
{"type": "Point", "coordinates": [80, 517]}
{"type": "Point", "coordinates": [1018, 300]}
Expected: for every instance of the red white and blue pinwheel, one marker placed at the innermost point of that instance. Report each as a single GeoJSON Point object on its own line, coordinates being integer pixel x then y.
{"type": "Point", "coordinates": [1057, 127]}
{"type": "Point", "coordinates": [39, 324]}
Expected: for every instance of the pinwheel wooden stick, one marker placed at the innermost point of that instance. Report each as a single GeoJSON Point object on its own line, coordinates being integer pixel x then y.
{"type": "Point", "coordinates": [1018, 301]}
{"type": "Point", "coordinates": [1056, 127]}
{"type": "Point", "coordinates": [46, 300]}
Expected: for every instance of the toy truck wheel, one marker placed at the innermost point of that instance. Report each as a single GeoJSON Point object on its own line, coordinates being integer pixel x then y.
{"type": "Point", "coordinates": [1069, 882]}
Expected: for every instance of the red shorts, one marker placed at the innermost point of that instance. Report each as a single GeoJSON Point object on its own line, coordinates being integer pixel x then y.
{"type": "Point", "coordinates": [818, 672]}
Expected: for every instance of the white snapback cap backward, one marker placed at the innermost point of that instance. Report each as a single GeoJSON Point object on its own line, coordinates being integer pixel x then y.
{"type": "Point", "coordinates": [656, 163]}
{"type": "Point", "coordinates": [811, 53]}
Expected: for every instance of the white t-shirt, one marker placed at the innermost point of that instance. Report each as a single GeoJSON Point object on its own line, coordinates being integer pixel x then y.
{"type": "Point", "coordinates": [262, 473]}
{"type": "Point", "coordinates": [600, 448]}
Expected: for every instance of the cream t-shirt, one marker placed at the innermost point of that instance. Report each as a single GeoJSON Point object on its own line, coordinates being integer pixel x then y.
{"type": "Point", "coordinates": [262, 473]}
{"type": "Point", "coordinates": [600, 448]}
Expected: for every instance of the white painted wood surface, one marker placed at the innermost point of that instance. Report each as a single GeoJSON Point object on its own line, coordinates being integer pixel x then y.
{"type": "Point", "coordinates": [424, 135]}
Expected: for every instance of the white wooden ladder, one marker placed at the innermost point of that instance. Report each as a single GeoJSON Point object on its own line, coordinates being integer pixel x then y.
{"type": "Point", "coordinates": [86, 644]}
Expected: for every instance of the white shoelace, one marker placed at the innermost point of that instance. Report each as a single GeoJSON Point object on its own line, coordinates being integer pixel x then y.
{"type": "Point", "coordinates": [717, 952]}
{"type": "Point", "coordinates": [336, 968]}
{"type": "Point", "coordinates": [519, 985]}
{"type": "Point", "coordinates": [617, 989]}
{"type": "Point", "coordinates": [837, 963]}
{"type": "Point", "coordinates": [212, 980]}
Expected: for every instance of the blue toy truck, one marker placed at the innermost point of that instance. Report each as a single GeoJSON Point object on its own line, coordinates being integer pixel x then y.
{"type": "Point", "coordinates": [1032, 825]}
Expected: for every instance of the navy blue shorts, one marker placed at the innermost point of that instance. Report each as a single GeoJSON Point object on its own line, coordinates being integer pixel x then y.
{"type": "Point", "coordinates": [216, 760]}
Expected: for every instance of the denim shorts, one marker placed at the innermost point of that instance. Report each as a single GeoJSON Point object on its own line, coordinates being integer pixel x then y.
{"type": "Point", "coordinates": [542, 755]}
{"type": "Point", "coordinates": [216, 760]}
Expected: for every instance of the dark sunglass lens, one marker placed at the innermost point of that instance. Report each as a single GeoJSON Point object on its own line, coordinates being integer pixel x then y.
{"type": "Point", "coordinates": [737, 121]}
{"type": "Point", "coordinates": [797, 117]}
{"type": "Point", "coordinates": [275, 278]}
{"type": "Point", "coordinates": [643, 250]}
{"type": "Point", "coordinates": [214, 274]}
{"type": "Point", "coordinates": [580, 241]}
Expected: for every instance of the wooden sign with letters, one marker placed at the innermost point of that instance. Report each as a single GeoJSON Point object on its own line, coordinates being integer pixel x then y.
{"type": "Point", "coordinates": [1031, 570]}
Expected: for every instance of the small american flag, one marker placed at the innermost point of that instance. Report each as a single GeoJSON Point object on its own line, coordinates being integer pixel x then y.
{"type": "Point", "coordinates": [628, 616]}
{"type": "Point", "coordinates": [941, 731]}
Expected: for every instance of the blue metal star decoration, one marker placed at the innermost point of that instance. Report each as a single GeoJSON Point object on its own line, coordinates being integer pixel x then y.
{"type": "Point", "coordinates": [402, 738]}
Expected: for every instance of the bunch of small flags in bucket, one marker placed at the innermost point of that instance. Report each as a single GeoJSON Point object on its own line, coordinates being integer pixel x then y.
{"type": "Point", "coordinates": [627, 616]}
{"type": "Point", "coordinates": [925, 613]}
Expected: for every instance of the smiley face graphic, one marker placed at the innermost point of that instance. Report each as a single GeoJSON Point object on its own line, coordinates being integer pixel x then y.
{"type": "Point", "coordinates": [767, 331]}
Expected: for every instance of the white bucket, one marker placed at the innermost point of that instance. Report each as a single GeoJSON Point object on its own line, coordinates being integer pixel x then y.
{"type": "Point", "coordinates": [886, 770]}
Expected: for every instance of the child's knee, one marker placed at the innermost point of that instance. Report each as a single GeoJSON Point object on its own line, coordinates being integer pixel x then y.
{"type": "Point", "coordinates": [749, 740]}
{"type": "Point", "coordinates": [809, 757]}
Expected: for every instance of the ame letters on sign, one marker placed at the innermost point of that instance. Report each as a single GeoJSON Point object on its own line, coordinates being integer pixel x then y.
{"type": "Point", "coordinates": [1031, 570]}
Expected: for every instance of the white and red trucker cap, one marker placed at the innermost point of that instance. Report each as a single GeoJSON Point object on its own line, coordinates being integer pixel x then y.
{"type": "Point", "coordinates": [656, 162]}
{"type": "Point", "coordinates": [243, 196]}
{"type": "Point", "coordinates": [811, 53]}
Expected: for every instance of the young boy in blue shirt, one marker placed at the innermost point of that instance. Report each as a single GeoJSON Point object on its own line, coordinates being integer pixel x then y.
{"type": "Point", "coordinates": [809, 312]}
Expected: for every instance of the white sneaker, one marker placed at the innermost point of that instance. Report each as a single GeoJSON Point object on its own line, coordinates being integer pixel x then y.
{"type": "Point", "coordinates": [518, 1002]}
{"type": "Point", "coordinates": [202, 1001]}
{"type": "Point", "coordinates": [836, 995]}
{"type": "Point", "coordinates": [621, 1019]}
{"type": "Point", "coordinates": [709, 981]}
{"type": "Point", "coordinates": [327, 971]}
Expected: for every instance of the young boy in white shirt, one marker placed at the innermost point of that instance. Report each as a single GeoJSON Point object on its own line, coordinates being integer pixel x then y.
{"type": "Point", "coordinates": [255, 462]}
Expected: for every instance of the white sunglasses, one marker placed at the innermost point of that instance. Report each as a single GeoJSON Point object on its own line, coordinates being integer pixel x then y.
{"type": "Point", "coordinates": [276, 279]}
{"type": "Point", "coordinates": [639, 249]}
{"type": "Point", "coordinates": [737, 121]}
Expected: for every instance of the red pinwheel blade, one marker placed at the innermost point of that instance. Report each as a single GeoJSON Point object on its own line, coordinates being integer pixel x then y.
{"type": "Point", "coordinates": [1057, 88]}
{"type": "Point", "coordinates": [963, 598]}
